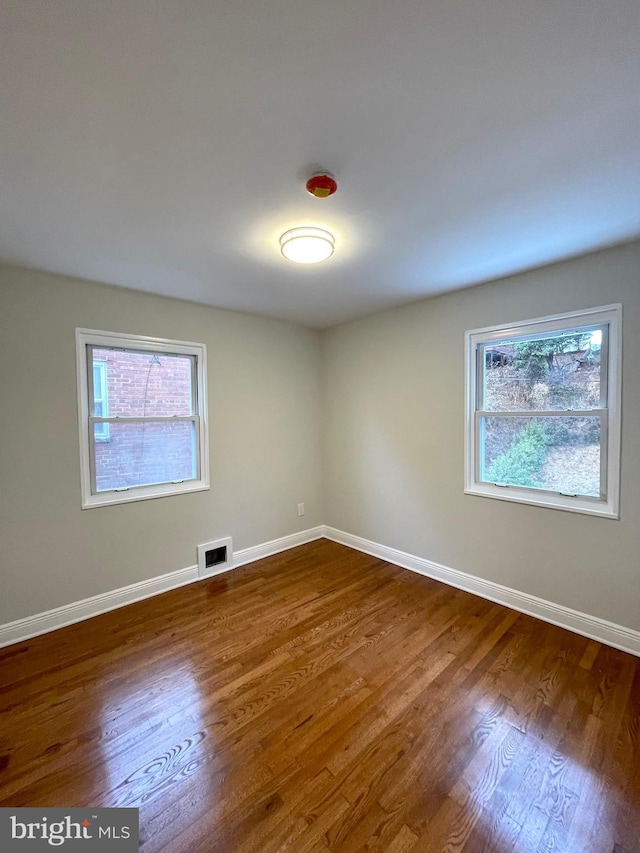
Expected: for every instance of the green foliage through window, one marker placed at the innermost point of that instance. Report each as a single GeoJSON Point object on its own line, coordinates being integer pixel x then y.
{"type": "Point", "coordinates": [522, 463]}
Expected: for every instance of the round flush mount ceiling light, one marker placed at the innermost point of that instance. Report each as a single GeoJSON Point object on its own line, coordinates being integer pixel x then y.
{"type": "Point", "coordinates": [307, 245]}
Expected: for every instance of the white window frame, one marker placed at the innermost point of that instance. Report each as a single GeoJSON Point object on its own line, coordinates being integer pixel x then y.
{"type": "Point", "coordinates": [86, 338]}
{"type": "Point", "coordinates": [607, 504]}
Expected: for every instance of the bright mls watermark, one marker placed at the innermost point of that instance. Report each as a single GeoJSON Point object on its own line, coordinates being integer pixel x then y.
{"type": "Point", "coordinates": [26, 830]}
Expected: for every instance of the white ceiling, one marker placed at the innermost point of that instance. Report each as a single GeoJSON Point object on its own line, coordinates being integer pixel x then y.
{"type": "Point", "coordinates": [163, 145]}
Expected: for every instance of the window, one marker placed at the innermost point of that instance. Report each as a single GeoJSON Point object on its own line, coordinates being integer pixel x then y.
{"type": "Point", "coordinates": [543, 411]}
{"type": "Point", "coordinates": [142, 415]}
{"type": "Point", "coordinates": [100, 402]}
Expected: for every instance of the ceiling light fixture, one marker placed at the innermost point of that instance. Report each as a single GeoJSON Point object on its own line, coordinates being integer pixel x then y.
{"type": "Point", "coordinates": [307, 245]}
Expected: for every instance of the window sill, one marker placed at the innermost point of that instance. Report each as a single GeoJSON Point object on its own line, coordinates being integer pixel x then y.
{"type": "Point", "coordinates": [585, 506]}
{"type": "Point", "coordinates": [143, 493]}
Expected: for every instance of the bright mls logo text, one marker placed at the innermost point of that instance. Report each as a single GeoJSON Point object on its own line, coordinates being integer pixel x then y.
{"type": "Point", "coordinates": [57, 832]}
{"type": "Point", "coordinates": [77, 829]}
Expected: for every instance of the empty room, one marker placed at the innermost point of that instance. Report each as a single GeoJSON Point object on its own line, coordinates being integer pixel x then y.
{"type": "Point", "coordinates": [320, 426]}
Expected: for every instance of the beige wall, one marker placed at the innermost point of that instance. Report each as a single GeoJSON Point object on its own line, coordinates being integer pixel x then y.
{"type": "Point", "coordinates": [390, 392]}
{"type": "Point", "coordinates": [264, 422]}
{"type": "Point", "coordinates": [394, 451]}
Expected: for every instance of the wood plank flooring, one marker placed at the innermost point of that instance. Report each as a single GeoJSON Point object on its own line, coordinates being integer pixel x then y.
{"type": "Point", "coordinates": [323, 699]}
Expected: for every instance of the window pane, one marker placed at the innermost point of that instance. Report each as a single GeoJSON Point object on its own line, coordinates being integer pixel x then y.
{"type": "Point", "coordinates": [143, 384]}
{"type": "Point", "coordinates": [557, 453]}
{"type": "Point", "coordinates": [100, 389]}
{"type": "Point", "coordinates": [553, 373]}
{"type": "Point", "coordinates": [102, 432]}
{"type": "Point", "coordinates": [143, 453]}
{"type": "Point", "coordinates": [98, 382]}
{"type": "Point", "coordinates": [100, 407]}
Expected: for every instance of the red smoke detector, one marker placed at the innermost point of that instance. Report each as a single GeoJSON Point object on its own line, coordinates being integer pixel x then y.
{"type": "Point", "coordinates": [321, 186]}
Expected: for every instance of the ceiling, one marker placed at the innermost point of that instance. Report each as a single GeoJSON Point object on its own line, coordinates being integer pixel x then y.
{"type": "Point", "coordinates": [163, 145]}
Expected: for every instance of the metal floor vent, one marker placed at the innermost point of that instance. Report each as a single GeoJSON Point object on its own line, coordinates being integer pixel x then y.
{"type": "Point", "coordinates": [215, 557]}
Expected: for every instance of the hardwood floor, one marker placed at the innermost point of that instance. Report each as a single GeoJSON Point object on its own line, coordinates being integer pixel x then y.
{"type": "Point", "coordinates": [323, 699]}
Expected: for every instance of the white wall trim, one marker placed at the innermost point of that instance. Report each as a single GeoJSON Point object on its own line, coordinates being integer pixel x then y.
{"type": "Point", "coordinates": [593, 627]}
{"type": "Point", "coordinates": [267, 549]}
{"type": "Point", "coordinates": [77, 611]}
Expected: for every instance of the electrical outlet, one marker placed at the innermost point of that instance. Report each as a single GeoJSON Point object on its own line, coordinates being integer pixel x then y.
{"type": "Point", "coordinates": [300, 509]}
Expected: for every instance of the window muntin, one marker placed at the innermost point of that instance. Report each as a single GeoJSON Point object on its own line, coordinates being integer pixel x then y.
{"type": "Point", "coordinates": [543, 404]}
{"type": "Point", "coordinates": [150, 438]}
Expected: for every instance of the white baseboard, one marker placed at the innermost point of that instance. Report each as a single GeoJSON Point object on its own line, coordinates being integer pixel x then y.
{"type": "Point", "coordinates": [267, 549]}
{"type": "Point", "coordinates": [77, 611]}
{"type": "Point", "coordinates": [593, 627]}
